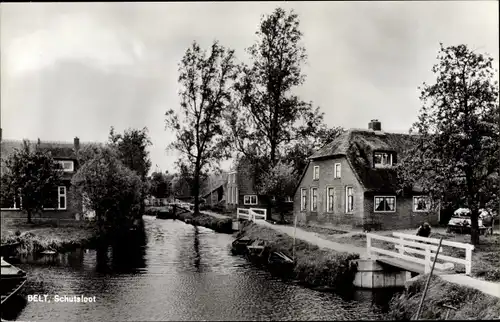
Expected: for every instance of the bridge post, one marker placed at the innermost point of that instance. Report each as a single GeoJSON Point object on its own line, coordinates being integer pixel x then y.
{"type": "Point", "coordinates": [427, 260]}
{"type": "Point", "coordinates": [468, 258]}
{"type": "Point", "coordinates": [368, 245]}
{"type": "Point", "coordinates": [402, 248]}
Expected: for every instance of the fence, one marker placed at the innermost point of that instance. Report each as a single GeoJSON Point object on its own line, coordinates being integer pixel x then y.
{"type": "Point", "coordinates": [251, 213]}
{"type": "Point", "coordinates": [409, 244]}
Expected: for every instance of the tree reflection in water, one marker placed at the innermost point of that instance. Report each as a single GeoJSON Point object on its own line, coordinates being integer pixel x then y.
{"type": "Point", "coordinates": [197, 258]}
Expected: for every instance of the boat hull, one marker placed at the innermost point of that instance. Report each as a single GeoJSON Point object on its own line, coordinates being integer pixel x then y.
{"type": "Point", "coordinates": [12, 280]}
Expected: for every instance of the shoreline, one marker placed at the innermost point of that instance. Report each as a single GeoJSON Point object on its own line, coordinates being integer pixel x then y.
{"type": "Point", "coordinates": [313, 267]}
{"type": "Point", "coordinates": [58, 239]}
{"type": "Point", "coordinates": [469, 303]}
{"type": "Point", "coordinates": [219, 225]}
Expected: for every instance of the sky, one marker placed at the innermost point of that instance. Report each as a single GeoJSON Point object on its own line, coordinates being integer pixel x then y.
{"type": "Point", "coordinates": [76, 69]}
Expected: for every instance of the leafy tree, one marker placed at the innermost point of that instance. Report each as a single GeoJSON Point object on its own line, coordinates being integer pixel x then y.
{"type": "Point", "coordinates": [458, 133]}
{"type": "Point", "coordinates": [161, 185]}
{"type": "Point", "coordinates": [279, 181]}
{"type": "Point", "coordinates": [301, 149]}
{"type": "Point", "coordinates": [110, 188]}
{"type": "Point", "coordinates": [205, 95]}
{"type": "Point", "coordinates": [131, 147]}
{"type": "Point", "coordinates": [30, 174]}
{"type": "Point", "coordinates": [268, 115]}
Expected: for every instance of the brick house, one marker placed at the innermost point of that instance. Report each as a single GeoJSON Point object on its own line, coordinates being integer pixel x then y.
{"type": "Point", "coordinates": [241, 192]}
{"type": "Point", "coordinates": [65, 202]}
{"type": "Point", "coordinates": [351, 182]}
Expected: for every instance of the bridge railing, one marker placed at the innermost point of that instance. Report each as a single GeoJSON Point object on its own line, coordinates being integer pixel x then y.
{"type": "Point", "coordinates": [407, 244]}
{"type": "Point", "coordinates": [467, 261]}
{"type": "Point", "coordinates": [251, 213]}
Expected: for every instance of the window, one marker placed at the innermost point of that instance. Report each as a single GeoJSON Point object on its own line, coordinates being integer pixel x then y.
{"type": "Point", "coordinates": [349, 197]}
{"type": "Point", "coordinates": [55, 199]}
{"type": "Point", "coordinates": [382, 159]}
{"type": "Point", "coordinates": [234, 177]}
{"type": "Point", "coordinates": [61, 198]}
{"type": "Point", "coordinates": [66, 165]}
{"type": "Point", "coordinates": [316, 172]}
{"type": "Point", "coordinates": [303, 199]}
{"type": "Point", "coordinates": [250, 200]}
{"type": "Point", "coordinates": [421, 204]}
{"type": "Point", "coordinates": [314, 199]}
{"type": "Point", "coordinates": [288, 199]}
{"type": "Point", "coordinates": [330, 193]}
{"type": "Point", "coordinates": [385, 204]}
{"type": "Point", "coordinates": [236, 200]}
{"type": "Point", "coordinates": [337, 171]}
{"type": "Point", "coordinates": [14, 203]}
{"type": "Point", "coordinates": [234, 196]}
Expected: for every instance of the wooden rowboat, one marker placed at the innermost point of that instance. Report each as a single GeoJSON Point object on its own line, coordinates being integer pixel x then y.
{"type": "Point", "coordinates": [13, 280]}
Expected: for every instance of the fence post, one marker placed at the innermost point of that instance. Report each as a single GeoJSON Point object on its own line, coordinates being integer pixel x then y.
{"type": "Point", "coordinates": [368, 245]}
{"type": "Point", "coordinates": [468, 258]}
{"type": "Point", "coordinates": [427, 259]}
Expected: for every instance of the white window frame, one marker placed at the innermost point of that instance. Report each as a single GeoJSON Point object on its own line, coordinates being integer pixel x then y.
{"type": "Point", "coordinates": [303, 199]}
{"type": "Point", "coordinates": [288, 199]}
{"type": "Point", "coordinates": [328, 199]}
{"type": "Point", "coordinates": [316, 174]}
{"type": "Point", "coordinates": [339, 167]}
{"type": "Point", "coordinates": [59, 195]}
{"type": "Point", "coordinates": [312, 199]}
{"type": "Point", "coordinates": [375, 204]}
{"type": "Point", "coordinates": [428, 203]}
{"type": "Point", "coordinates": [247, 200]}
{"type": "Point", "coordinates": [388, 156]}
{"type": "Point", "coordinates": [20, 206]}
{"type": "Point", "coordinates": [236, 201]}
{"type": "Point", "coordinates": [61, 162]}
{"type": "Point", "coordinates": [347, 210]}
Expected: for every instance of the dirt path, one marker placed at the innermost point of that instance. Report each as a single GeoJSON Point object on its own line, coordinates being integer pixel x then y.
{"type": "Point", "coordinates": [316, 239]}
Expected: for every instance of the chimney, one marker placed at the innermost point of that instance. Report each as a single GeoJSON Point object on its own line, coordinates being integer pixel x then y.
{"type": "Point", "coordinates": [375, 125]}
{"type": "Point", "coordinates": [76, 143]}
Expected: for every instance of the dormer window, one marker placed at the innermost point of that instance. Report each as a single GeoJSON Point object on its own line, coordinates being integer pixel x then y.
{"type": "Point", "coordinates": [382, 159]}
{"type": "Point", "coordinates": [66, 165]}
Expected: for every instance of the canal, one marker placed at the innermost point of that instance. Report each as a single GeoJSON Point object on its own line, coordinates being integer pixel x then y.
{"type": "Point", "coordinates": [175, 272]}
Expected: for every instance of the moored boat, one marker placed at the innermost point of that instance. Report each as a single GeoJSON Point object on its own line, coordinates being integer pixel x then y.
{"type": "Point", "coordinates": [13, 280]}
{"type": "Point", "coordinates": [239, 246]}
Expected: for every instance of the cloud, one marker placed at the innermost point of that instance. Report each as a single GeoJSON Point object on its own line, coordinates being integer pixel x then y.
{"type": "Point", "coordinates": [70, 36]}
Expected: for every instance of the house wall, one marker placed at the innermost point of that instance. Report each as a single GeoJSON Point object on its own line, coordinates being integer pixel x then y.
{"type": "Point", "coordinates": [404, 217]}
{"type": "Point", "coordinates": [73, 207]}
{"type": "Point", "coordinates": [326, 179]}
{"type": "Point", "coordinates": [229, 188]}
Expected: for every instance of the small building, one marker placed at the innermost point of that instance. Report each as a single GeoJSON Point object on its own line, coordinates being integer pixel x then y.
{"type": "Point", "coordinates": [65, 202]}
{"type": "Point", "coordinates": [352, 182]}
{"type": "Point", "coordinates": [214, 189]}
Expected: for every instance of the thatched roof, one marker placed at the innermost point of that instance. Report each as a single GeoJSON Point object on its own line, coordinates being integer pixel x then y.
{"type": "Point", "coordinates": [358, 145]}
{"type": "Point", "coordinates": [58, 150]}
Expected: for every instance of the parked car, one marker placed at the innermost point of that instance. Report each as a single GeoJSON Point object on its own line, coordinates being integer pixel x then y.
{"type": "Point", "coordinates": [461, 221]}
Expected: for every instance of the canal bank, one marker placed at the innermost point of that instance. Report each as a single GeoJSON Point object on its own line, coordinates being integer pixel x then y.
{"type": "Point", "coordinates": [178, 272]}
{"type": "Point", "coordinates": [220, 224]}
{"type": "Point", "coordinates": [443, 300]}
{"type": "Point", "coordinates": [58, 239]}
{"type": "Point", "coordinates": [313, 266]}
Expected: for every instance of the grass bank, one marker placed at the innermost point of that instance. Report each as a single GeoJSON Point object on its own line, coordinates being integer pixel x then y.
{"type": "Point", "coordinates": [470, 303]}
{"type": "Point", "coordinates": [313, 266]}
{"type": "Point", "coordinates": [38, 238]}
{"type": "Point", "coordinates": [220, 225]}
